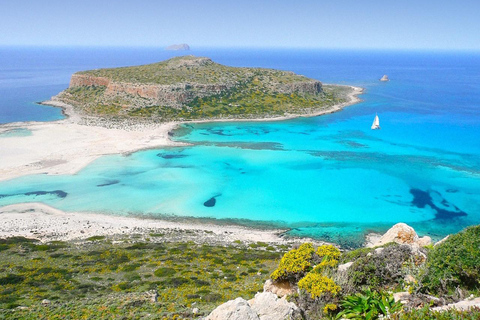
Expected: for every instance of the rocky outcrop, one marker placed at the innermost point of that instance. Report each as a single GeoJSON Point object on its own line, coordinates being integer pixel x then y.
{"type": "Point", "coordinates": [402, 233]}
{"type": "Point", "coordinates": [178, 47]}
{"type": "Point", "coordinates": [238, 309]}
{"type": "Point", "coordinates": [86, 80]}
{"type": "Point", "coordinates": [265, 306]}
{"type": "Point", "coordinates": [310, 87]}
{"type": "Point", "coordinates": [280, 288]}
{"type": "Point", "coordinates": [384, 78]}
{"type": "Point", "coordinates": [174, 95]}
{"type": "Point", "coordinates": [269, 306]}
{"type": "Point", "coordinates": [344, 267]}
{"type": "Point", "coordinates": [461, 305]}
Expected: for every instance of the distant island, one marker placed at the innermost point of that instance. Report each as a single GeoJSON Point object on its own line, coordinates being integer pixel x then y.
{"type": "Point", "coordinates": [178, 47]}
{"type": "Point", "coordinates": [384, 78]}
{"type": "Point", "coordinates": [196, 88]}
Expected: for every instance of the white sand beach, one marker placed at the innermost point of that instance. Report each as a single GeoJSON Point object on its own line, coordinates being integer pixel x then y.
{"type": "Point", "coordinates": [65, 147]}
{"type": "Point", "coordinates": [40, 221]}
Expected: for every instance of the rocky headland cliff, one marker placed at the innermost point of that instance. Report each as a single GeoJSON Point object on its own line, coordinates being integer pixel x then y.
{"type": "Point", "coordinates": [192, 87]}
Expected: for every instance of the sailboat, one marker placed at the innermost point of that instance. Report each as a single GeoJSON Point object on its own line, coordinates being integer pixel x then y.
{"type": "Point", "coordinates": [376, 123]}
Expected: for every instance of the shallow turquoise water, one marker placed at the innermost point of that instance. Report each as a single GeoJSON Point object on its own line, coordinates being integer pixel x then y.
{"type": "Point", "coordinates": [17, 132]}
{"type": "Point", "coordinates": [328, 177]}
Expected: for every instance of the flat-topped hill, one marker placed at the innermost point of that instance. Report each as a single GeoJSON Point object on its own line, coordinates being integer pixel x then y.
{"type": "Point", "coordinates": [189, 87]}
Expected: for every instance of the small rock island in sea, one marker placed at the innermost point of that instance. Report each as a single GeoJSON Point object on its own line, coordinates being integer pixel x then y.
{"type": "Point", "coordinates": [384, 78]}
{"type": "Point", "coordinates": [190, 88]}
{"type": "Point", "coordinates": [178, 47]}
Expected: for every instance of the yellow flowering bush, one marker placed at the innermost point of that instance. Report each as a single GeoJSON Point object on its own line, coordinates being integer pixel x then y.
{"type": "Point", "coordinates": [294, 263]}
{"type": "Point", "coordinates": [329, 255]}
{"type": "Point", "coordinates": [316, 285]}
{"type": "Point", "coordinates": [329, 307]}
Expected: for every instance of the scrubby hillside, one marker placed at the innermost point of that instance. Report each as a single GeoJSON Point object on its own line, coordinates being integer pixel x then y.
{"type": "Point", "coordinates": [189, 87]}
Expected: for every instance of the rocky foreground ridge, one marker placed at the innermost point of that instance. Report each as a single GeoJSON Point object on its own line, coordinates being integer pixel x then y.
{"type": "Point", "coordinates": [192, 87]}
{"type": "Point", "coordinates": [398, 260]}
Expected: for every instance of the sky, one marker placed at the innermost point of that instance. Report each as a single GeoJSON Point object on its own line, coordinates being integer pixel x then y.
{"type": "Point", "coordinates": [343, 24]}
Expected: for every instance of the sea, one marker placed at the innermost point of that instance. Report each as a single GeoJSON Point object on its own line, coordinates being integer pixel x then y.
{"type": "Point", "coordinates": [329, 177]}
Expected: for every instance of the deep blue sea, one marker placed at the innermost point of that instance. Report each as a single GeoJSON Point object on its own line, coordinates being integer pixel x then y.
{"type": "Point", "coordinates": [329, 177]}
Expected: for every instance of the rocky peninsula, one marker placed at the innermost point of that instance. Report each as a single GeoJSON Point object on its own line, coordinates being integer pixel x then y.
{"type": "Point", "coordinates": [196, 88]}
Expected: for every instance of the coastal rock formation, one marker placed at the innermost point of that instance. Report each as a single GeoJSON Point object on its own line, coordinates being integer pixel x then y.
{"type": "Point", "coordinates": [265, 306]}
{"type": "Point", "coordinates": [384, 78]}
{"type": "Point", "coordinates": [178, 47]}
{"type": "Point", "coordinates": [402, 233]}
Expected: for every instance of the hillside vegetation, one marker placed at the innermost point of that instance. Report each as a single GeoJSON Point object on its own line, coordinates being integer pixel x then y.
{"type": "Point", "coordinates": [96, 279]}
{"type": "Point", "coordinates": [118, 278]}
{"type": "Point", "coordinates": [363, 288]}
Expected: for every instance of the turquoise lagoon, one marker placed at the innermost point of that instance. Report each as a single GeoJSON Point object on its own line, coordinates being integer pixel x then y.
{"type": "Point", "coordinates": [329, 177]}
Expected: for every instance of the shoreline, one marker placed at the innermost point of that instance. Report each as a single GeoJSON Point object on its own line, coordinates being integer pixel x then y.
{"type": "Point", "coordinates": [68, 145]}
{"type": "Point", "coordinates": [45, 223]}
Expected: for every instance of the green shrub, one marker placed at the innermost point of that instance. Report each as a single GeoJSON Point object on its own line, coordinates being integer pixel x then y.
{"type": "Point", "coordinates": [380, 270]}
{"type": "Point", "coordinates": [18, 240]}
{"type": "Point", "coordinates": [164, 272]}
{"type": "Point", "coordinates": [369, 305]}
{"type": "Point", "coordinates": [11, 279]}
{"type": "Point", "coordinates": [454, 263]}
{"type": "Point", "coordinates": [175, 282]}
{"type": "Point", "coordinates": [95, 238]}
{"type": "Point", "coordinates": [427, 314]}
{"type": "Point", "coordinates": [353, 255]}
{"type": "Point", "coordinates": [212, 297]}
{"type": "Point", "coordinates": [130, 267]}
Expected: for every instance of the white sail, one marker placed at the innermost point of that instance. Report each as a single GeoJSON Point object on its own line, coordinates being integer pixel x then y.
{"type": "Point", "coordinates": [376, 123]}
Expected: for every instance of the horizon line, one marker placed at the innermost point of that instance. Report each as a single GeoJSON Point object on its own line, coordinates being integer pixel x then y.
{"type": "Point", "coordinates": [203, 47]}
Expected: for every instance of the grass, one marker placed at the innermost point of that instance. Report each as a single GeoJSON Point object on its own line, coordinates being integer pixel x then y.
{"type": "Point", "coordinates": [98, 279]}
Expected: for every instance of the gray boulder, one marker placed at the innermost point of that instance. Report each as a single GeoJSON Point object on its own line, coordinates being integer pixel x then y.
{"type": "Point", "coordinates": [237, 309]}
{"type": "Point", "coordinates": [269, 306]}
{"type": "Point", "coordinates": [265, 306]}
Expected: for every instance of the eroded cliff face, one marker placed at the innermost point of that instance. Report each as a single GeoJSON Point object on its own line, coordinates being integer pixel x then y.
{"type": "Point", "coordinates": [175, 95]}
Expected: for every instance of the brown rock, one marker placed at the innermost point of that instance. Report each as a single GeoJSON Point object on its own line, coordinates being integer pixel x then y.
{"type": "Point", "coordinates": [280, 288]}
{"type": "Point", "coordinates": [402, 233]}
